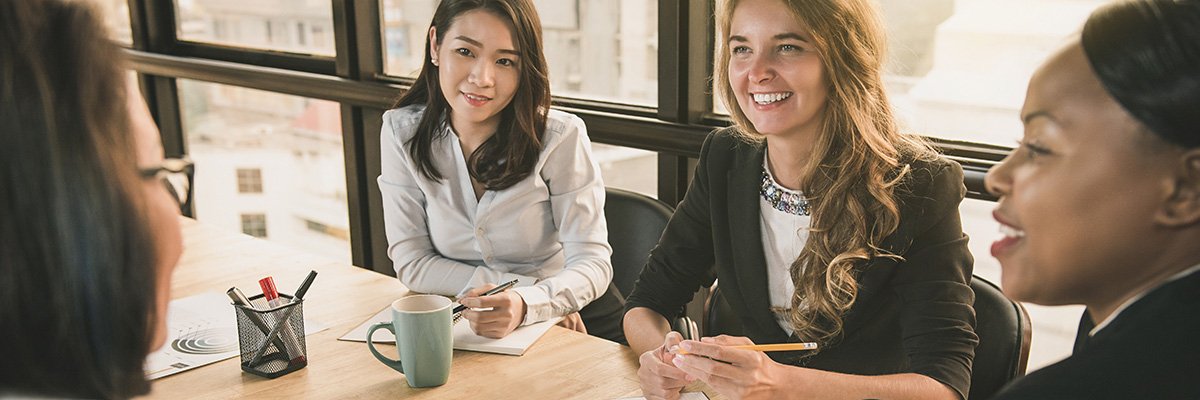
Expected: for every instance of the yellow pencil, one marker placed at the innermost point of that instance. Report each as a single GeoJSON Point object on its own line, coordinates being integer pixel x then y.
{"type": "Point", "coordinates": [768, 347]}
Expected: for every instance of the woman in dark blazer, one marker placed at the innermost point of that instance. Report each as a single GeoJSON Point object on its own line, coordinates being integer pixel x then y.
{"type": "Point", "coordinates": [1100, 205]}
{"type": "Point", "coordinates": [822, 222]}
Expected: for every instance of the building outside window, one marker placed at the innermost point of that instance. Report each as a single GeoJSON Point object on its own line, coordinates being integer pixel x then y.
{"type": "Point", "coordinates": [282, 25]}
{"type": "Point", "coordinates": [254, 225]}
{"type": "Point", "coordinates": [249, 180]}
{"type": "Point", "coordinates": [295, 147]}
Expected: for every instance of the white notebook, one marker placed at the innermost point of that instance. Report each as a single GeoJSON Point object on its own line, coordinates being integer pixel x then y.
{"type": "Point", "coordinates": [464, 338]}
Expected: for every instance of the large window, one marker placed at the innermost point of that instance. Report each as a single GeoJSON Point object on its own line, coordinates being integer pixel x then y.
{"type": "Point", "coordinates": [266, 153]}
{"type": "Point", "coordinates": [597, 49]}
{"type": "Point", "coordinates": [295, 26]}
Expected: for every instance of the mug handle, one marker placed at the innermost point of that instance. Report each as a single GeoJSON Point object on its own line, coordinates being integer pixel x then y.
{"type": "Point", "coordinates": [395, 364]}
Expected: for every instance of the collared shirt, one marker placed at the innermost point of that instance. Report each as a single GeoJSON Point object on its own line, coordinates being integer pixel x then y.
{"type": "Point", "coordinates": [548, 230]}
{"type": "Point", "coordinates": [1139, 296]}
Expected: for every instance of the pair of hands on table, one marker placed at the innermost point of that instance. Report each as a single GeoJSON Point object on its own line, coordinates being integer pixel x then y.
{"type": "Point", "coordinates": [507, 311]}
{"type": "Point", "coordinates": [734, 373]}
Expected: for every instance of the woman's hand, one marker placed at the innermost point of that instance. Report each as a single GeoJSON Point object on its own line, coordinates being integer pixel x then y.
{"type": "Point", "coordinates": [573, 322]}
{"type": "Point", "coordinates": [734, 373]}
{"type": "Point", "coordinates": [658, 377]}
{"type": "Point", "coordinates": [503, 312]}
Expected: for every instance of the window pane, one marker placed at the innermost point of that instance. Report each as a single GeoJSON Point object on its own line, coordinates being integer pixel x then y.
{"type": "Point", "coordinates": [628, 168]}
{"type": "Point", "coordinates": [958, 69]}
{"type": "Point", "coordinates": [269, 165]}
{"type": "Point", "coordinates": [296, 26]}
{"type": "Point", "coordinates": [1054, 327]}
{"type": "Point", "coordinates": [116, 16]}
{"type": "Point", "coordinates": [619, 65]}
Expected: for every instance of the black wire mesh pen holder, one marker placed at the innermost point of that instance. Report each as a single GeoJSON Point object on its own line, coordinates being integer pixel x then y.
{"type": "Point", "coordinates": [286, 351]}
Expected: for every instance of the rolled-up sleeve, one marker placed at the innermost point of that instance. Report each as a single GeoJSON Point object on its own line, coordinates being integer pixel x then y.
{"type": "Point", "coordinates": [937, 318]}
{"type": "Point", "coordinates": [576, 189]}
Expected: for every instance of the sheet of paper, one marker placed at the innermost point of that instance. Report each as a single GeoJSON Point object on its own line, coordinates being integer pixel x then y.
{"type": "Point", "coordinates": [684, 396]}
{"type": "Point", "coordinates": [464, 339]}
{"type": "Point", "coordinates": [201, 330]}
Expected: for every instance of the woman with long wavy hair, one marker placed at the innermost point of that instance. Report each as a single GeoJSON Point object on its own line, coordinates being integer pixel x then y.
{"type": "Point", "coordinates": [483, 183]}
{"type": "Point", "coordinates": [822, 222]}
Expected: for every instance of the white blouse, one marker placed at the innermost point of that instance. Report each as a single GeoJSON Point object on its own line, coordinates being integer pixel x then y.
{"type": "Point", "coordinates": [783, 236]}
{"type": "Point", "coordinates": [548, 230]}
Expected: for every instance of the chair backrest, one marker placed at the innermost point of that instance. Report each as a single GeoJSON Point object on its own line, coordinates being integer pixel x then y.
{"type": "Point", "coordinates": [635, 223]}
{"type": "Point", "coordinates": [1002, 325]}
{"type": "Point", "coordinates": [1004, 335]}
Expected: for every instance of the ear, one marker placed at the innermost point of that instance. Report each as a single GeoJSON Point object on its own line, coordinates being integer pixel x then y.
{"type": "Point", "coordinates": [433, 46]}
{"type": "Point", "coordinates": [1183, 206]}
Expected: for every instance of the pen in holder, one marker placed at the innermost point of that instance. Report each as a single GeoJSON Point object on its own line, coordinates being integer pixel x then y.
{"type": "Point", "coordinates": [271, 340]}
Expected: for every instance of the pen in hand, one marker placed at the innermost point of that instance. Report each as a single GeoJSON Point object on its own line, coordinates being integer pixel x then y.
{"type": "Point", "coordinates": [504, 286]}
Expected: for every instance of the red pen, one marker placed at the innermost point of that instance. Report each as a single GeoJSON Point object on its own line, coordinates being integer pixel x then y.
{"type": "Point", "coordinates": [269, 293]}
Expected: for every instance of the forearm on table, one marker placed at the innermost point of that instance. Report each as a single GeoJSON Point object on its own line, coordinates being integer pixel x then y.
{"type": "Point", "coordinates": [645, 329]}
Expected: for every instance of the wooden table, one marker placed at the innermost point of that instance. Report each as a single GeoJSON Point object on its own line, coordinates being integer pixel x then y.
{"type": "Point", "coordinates": [562, 364]}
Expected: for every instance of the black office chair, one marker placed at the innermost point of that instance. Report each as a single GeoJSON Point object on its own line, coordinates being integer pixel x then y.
{"type": "Point", "coordinates": [1004, 335]}
{"type": "Point", "coordinates": [635, 223]}
{"type": "Point", "coordinates": [1002, 325]}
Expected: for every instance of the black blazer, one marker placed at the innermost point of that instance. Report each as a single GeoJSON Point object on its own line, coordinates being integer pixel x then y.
{"type": "Point", "coordinates": [1151, 350]}
{"type": "Point", "coordinates": [910, 316]}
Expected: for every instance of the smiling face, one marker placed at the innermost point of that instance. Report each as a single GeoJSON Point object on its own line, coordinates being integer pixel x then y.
{"type": "Point", "coordinates": [478, 69]}
{"type": "Point", "coordinates": [775, 70]}
{"type": "Point", "coordinates": [1078, 198]}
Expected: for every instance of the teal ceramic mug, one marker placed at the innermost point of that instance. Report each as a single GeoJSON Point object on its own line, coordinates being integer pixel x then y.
{"type": "Point", "coordinates": [421, 324]}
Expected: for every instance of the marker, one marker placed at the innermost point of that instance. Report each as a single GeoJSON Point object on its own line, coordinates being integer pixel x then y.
{"type": "Point", "coordinates": [269, 293]}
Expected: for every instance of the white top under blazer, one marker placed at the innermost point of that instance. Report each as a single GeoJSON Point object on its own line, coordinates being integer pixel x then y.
{"type": "Point", "coordinates": [548, 230]}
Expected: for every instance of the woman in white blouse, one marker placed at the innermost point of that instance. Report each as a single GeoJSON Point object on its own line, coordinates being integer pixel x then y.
{"type": "Point", "coordinates": [483, 183]}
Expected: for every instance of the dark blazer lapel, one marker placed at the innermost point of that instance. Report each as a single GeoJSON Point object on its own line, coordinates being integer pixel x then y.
{"type": "Point", "coordinates": [750, 265]}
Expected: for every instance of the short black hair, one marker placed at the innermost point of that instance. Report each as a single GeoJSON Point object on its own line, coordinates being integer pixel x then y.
{"type": "Point", "coordinates": [1146, 54]}
{"type": "Point", "coordinates": [77, 257]}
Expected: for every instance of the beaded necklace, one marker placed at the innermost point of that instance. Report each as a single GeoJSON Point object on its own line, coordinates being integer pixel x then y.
{"type": "Point", "coordinates": [781, 198]}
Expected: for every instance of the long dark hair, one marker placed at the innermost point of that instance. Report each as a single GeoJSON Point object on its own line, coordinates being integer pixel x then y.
{"type": "Point", "coordinates": [77, 260]}
{"type": "Point", "coordinates": [1147, 55]}
{"type": "Point", "coordinates": [510, 154]}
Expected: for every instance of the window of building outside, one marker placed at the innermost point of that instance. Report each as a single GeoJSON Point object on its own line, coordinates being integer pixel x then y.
{"type": "Point", "coordinates": [249, 180]}
{"type": "Point", "coordinates": [115, 14]}
{"type": "Point", "coordinates": [254, 225]}
{"type": "Point", "coordinates": [958, 69]}
{"type": "Point", "coordinates": [295, 26]}
{"type": "Point", "coordinates": [295, 144]}
{"type": "Point", "coordinates": [620, 64]}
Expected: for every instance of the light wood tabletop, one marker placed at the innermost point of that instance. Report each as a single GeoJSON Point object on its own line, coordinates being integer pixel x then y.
{"type": "Point", "coordinates": [562, 364]}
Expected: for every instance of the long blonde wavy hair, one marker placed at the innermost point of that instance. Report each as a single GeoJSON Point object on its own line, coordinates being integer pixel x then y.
{"type": "Point", "coordinates": [858, 160]}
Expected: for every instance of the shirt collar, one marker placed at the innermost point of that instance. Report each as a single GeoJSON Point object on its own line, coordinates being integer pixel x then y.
{"type": "Point", "coordinates": [1139, 296]}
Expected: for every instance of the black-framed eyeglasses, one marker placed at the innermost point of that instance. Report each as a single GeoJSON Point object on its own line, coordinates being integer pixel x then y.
{"type": "Point", "coordinates": [176, 174]}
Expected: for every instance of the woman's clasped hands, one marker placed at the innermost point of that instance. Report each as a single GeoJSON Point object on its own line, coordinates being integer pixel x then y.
{"type": "Point", "coordinates": [733, 373]}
